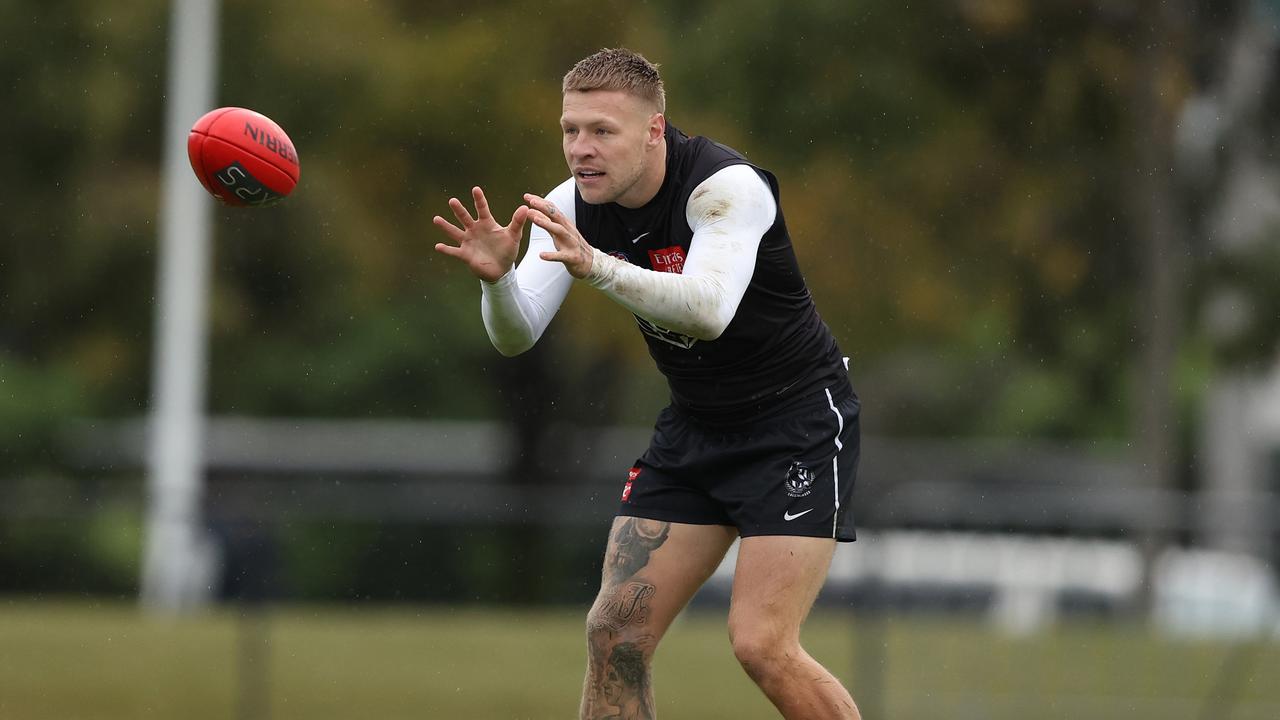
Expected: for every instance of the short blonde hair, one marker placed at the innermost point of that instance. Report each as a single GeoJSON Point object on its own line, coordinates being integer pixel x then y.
{"type": "Point", "coordinates": [618, 69]}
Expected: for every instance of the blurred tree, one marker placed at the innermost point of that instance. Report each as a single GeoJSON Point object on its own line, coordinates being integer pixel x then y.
{"type": "Point", "coordinates": [959, 177]}
{"type": "Point", "coordinates": [954, 174]}
{"type": "Point", "coordinates": [82, 101]}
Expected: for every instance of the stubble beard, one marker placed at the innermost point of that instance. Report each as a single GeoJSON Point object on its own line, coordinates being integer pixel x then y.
{"type": "Point", "coordinates": [614, 191]}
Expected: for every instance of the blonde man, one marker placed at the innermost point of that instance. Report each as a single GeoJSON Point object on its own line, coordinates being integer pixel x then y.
{"type": "Point", "coordinates": [760, 441]}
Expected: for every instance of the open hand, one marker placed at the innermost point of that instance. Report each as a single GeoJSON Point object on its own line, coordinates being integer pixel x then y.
{"type": "Point", "coordinates": [571, 248]}
{"type": "Point", "coordinates": [488, 249]}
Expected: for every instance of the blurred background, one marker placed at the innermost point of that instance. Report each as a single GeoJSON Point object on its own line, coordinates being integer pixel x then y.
{"type": "Point", "coordinates": [1048, 234]}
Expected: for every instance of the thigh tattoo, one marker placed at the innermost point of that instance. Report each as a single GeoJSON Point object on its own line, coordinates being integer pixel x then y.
{"type": "Point", "coordinates": [635, 540]}
{"type": "Point", "coordinates": [626, 605]}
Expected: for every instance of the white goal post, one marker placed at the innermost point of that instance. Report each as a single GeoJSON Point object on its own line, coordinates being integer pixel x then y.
{"type": "Point", "coordinates": [178, 558]}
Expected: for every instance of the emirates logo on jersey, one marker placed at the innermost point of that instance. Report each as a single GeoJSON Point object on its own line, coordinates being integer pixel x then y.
{"type": "Point", "coordinates": [669, 259]}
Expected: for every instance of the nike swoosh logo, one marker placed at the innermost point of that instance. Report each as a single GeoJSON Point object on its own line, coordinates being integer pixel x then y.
{"type": "Point", "coordinates": [636, 239]}
{"type": "Point", "coordinates": [789, 517]}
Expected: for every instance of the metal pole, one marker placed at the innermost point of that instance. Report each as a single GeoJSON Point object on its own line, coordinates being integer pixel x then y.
{"type": "Point", "coordinates": [1163, 256]}
{"type": "Point", "coordinates": [177, 563]}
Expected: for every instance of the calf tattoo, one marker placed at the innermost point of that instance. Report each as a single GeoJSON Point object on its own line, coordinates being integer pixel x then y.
{"type": "Point", "coordinates": [626, 684]}
{"type": "Point", "coordinates": [618, 684]}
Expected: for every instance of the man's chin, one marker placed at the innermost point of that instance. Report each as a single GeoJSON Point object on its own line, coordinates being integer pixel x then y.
{"type": "Point", "coordinates": [594, 195]}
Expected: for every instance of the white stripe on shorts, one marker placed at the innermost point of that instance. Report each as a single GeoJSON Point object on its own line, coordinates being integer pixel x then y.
{"type": "Point", "coordinates": [835, 459]}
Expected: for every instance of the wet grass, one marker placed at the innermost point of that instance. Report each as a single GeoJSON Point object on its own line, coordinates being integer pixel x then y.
{"type": "Point", "coordinates": [69, 660]}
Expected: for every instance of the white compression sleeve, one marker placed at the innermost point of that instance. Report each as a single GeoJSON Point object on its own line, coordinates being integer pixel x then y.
{"type": "Point", "coordinates": [519, 306]}
{"type": "Point", "coordinates": [729, 213]}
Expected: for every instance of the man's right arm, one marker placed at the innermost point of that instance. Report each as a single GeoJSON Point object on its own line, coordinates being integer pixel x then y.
{"type": "Point", "coordinates": [518, 306]}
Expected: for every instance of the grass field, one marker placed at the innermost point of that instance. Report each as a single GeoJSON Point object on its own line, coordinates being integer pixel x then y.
{"type": "Point", "coordinates": [70, 661]}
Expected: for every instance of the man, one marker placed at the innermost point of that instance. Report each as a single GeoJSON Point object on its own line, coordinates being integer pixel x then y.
{"type": "Point", "coordinates": [760, 441]}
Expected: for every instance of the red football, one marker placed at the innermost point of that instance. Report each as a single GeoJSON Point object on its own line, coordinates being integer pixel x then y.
{"type": "Point", "coordinates": [242, 157]}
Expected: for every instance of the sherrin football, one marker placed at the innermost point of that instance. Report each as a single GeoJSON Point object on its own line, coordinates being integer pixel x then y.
{"type": "Point", "coordinates": [242, 158]}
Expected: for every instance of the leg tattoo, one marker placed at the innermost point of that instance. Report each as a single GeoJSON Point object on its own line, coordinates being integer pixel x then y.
{"type": "Point", "coordinates": [635, 541]}
{"type": "Point", "coordinates": [618, 684]}
{"type": "Point", "coordinates": [626, 683]}
{"type": "Point", "coordinates": [626, 605]}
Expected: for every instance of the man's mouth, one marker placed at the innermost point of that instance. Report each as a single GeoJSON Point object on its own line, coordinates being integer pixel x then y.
{"type": "Point", "coordinates": [589, 174]}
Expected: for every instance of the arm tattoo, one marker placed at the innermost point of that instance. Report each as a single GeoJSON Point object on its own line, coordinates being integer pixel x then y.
{"type": "Point", "coordinates": [635, 541]}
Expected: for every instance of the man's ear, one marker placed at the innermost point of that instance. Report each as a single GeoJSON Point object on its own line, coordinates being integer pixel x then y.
{"type": "Point", "coordinates": [657, 128]}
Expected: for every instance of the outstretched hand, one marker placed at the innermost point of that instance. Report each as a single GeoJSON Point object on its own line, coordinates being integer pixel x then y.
{"type": "Point", "coordinates": [571, 248]}
{"type": "Point", "coordinates": [488, 248]}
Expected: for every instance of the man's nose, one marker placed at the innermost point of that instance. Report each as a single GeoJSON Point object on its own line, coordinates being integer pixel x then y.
{"type": "Point", "coordinates": [580, 147]}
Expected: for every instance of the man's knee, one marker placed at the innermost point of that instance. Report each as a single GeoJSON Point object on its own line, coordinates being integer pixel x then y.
{"type": "Point", "coordinates": [762, 648]}
{"type": "Point", "coordinates": [605, 632]}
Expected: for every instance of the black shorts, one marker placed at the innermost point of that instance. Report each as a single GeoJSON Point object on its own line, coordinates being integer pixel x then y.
{"type": "Point", "coordinates": [787, 475]}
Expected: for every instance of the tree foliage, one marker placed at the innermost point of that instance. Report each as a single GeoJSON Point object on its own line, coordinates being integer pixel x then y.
{"type": "Point", "coordinates": [955, 174]}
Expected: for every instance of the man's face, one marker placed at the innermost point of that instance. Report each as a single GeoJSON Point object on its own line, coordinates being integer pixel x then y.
{"type": "Point", "coordinates": [610, 138]}
{"type": "Point", "coordinates": [612, 685]}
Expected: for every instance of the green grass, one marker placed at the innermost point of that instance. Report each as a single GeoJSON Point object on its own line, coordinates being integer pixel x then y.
{"type": "Point", "coordinates": [70, 661]}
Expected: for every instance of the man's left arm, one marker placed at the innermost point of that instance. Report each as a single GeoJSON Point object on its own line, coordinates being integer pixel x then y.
{"type": "Point", "coordinates": [729, 214]}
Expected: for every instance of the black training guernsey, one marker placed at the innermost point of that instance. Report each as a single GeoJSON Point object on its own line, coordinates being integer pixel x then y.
{"type": "Point", "coordinates": [774, 352]}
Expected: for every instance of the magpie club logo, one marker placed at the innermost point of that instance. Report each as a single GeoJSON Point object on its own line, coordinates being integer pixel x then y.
{"type": "Point", "coordinates": [799, 480]}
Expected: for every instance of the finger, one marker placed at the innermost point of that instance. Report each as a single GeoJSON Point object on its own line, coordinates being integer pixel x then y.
{"type": "Point", "coordinates": [449, 250]}
{"type": "Point", "coordinates": [449, 229]}
{"type": "Point", "coordinates": [516, 226]}
{"type": "Point", "coordinates": [542, 204]}
{"type": "Point", "coordinates": [460, 212]}
{"type": "Point", "coordinates": [482, 205]}
{"type": "Point", "coordinates": [541, 219]}
{"type": "Point", "coordinates": [549, 209]}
